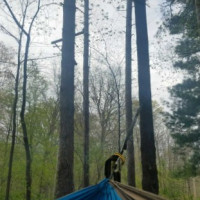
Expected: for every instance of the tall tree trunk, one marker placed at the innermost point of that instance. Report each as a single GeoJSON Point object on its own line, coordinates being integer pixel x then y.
{"type": "Point", "coordinates": [197, 6]}
{"type": "Point", "coordinates": [23, 123]}
{"type": "Point", "coordinates": [148, 151]}
{"type": "Point", "coordinates": [14, 110]}
{"type": "Point", "coordinates": [23, 108]}
{"type": "Point", "coordinates": [86, 94]}
{"type": "Point", "coordinates": [65, 177]}
{"type": "Point", "coordinates": [128, 95]}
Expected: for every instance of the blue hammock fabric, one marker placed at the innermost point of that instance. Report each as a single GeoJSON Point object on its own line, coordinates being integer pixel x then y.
{"type": "Point", "coordinates": [102, 190]}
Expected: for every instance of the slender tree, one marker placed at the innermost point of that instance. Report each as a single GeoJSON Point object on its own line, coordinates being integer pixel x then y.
{"type": "Point", "coordinates": [148, 151]}
{"type": "Point", "coordinates": [5, 57]}
{"type": "Point", "coordinates": [14, 106]}
{"type": "Point", "coordinates": [14, 126]}
{"type": "Point", "coordinates": [23, 108]}
{"type": "Point", "coordinates": [65, 180]}
{"type": "Point", "coordinates": [128, 95]}
{"type": "Point", "coordinates": [24, 87]}
{"type": "Point", "coordinates": [86, 93]}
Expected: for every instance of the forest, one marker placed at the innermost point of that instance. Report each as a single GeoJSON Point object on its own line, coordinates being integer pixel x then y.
{"type": "Point", "coordinates": [94, 93]}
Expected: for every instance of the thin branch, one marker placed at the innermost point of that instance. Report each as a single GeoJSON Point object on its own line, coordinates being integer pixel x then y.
{"type": "Point", "coordinates": [7, 32]}
{"type": "Point", "coordinates": [56, 41]}
{"type": "Point", "coordinates": [50, 4]}
{"type": "Point", "coordinates": [33, 19]}
{"type": "Point", "coordinates": [60, 40]}
{"type": "Point", "coordinates": [14, 17]}
{"type": "Point", "coordinates": [43, 58]}
{"type": "Point", "coordinates": [58, 47]}
{"type": "Point", "coordinates": [79, 10]}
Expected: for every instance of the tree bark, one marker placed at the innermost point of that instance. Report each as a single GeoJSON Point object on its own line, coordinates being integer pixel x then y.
{"type": "Point", "coordinates": [65, 177]}
{"type": "Point", "coordinates": [128, 95]}
{"type": "Point", "coordinates": [14, 110]}
{"type": "Point", "coordinates": [23, 108]}
{"type": "Point", "coordinates": [148, 151]}
{"type": "Point", "coordinates": [197, 6]}
{"type": "Point", "coordinates": [86, 94]}
{"type": "Point", "coordinates": [23, 123]}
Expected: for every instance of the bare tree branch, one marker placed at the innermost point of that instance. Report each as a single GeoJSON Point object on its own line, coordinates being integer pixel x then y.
{"type": "Point", "coordinates": [14, 17]}
{"type": "Point", "coordinates": [50, 4]}
{"type": "Point", "coordinates": [33, 19]}
{"type": "Point", "coordinates": [7, 32]}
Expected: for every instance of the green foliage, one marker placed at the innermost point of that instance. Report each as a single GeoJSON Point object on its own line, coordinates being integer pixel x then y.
{"type": "Point", "coordinates": [183, 121]}
{"type": "Point", "coordinates": [184, 172]}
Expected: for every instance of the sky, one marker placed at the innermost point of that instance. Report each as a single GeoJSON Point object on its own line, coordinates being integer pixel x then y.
{"type": "Point", "coordinates": [111, 31]}
{"type": "Point", "coordinates": [163, 76]}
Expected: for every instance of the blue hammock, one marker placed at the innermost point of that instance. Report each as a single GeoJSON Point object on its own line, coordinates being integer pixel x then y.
{"type": "Point", "coordinates": [111, 190]}
{"type": "Point", "coordinates": [101, 191]}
